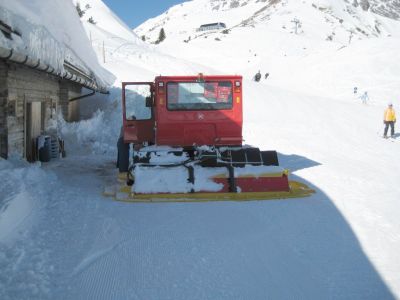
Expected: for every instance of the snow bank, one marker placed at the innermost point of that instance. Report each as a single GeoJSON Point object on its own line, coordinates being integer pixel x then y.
{"type": "Point", "coordinates": [24, 189]}
{"type": "Point", "coordinates": [98, 135]}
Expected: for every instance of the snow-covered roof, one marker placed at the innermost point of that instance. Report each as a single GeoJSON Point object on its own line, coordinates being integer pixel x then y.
{"type": "Point", "coordinates": [48, 34]}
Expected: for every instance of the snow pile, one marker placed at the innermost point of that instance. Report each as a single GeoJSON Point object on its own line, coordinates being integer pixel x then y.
{"type": "Point", "coordinates": [51, 37]}
{"type": "Point", "coordinates": [26, 190]}
{"type": "Point", "coordinates": [22, 191]}
{"type": "Point", "coordinates": [97, 135]}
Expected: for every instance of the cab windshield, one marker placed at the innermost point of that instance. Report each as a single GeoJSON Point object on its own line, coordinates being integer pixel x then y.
{"type": "Point", "coordinates": [135, 102]}
{"type": "Point", "coordinates": [212, 95]}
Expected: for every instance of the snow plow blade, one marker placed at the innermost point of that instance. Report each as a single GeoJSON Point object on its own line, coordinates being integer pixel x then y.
{"type": "Point", "coordinates": [124, 194]}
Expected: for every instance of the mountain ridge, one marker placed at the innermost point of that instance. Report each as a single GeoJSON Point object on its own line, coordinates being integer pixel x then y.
{"type": "Point", "coordinates": [347, 18]}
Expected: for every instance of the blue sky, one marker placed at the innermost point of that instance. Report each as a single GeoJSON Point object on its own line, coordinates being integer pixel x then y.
{"type": "Point", "coordinates": [134, 13]}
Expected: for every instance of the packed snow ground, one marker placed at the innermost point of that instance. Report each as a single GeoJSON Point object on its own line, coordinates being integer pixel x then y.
{"type": "Point", "coordinates": [59, 238]}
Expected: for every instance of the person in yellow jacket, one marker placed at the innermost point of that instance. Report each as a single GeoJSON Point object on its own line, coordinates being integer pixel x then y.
{"type": "Point", "coordinates": [389, 118]}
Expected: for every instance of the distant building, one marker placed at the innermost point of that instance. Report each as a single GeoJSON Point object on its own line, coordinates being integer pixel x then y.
{"type": "Point", "coordinates": [33, 91]}
{"type": "Point", "coordinates": [212, 26]}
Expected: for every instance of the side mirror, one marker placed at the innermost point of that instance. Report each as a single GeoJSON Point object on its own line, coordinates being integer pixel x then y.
{"type": "Point", "coordinates": [149, 101]}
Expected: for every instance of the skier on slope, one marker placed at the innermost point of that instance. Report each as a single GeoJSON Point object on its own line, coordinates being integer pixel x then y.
{"type": "Point", "coordinates": [389, 118]}
{"type": "Point", "coordinates": [257, 77]}
{"type": "Point", "coordinates": [364, 97]}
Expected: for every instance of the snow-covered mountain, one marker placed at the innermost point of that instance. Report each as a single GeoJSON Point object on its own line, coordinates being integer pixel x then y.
{"type": "Point", "coordinates": [105, 19]}
{"type": "Point", "coordinates": [387, 8]}
{"type": "Point", "coordinates": [336, 21]}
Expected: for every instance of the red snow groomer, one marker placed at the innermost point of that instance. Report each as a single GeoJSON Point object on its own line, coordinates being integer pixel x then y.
{"type": "Point", "coordinates": [186, 133]}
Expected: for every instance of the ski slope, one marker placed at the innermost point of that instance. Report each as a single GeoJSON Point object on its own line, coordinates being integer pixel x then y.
{"type": "Point", "coordinates": [60, 238]}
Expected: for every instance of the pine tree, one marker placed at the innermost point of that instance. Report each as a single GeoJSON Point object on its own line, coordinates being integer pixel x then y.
{"type": "Point", "coordinates": [161, 36]}
{"type": "Point", "coordinates": [79, 10]}
{"type": "Point", "coordinates": [91, 21]}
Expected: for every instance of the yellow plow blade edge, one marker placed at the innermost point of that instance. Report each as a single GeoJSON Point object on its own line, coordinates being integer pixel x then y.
{"type": "Point", "coordinates": [297, 190]}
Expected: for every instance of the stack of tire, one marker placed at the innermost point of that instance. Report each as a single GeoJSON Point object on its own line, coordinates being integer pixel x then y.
{"type": "Point", "coordinates": [54, 147]}
{"type": "Point", "coordinates": [49, 149]}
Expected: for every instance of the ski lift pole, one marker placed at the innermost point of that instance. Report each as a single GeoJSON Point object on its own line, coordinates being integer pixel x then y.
{"type": "Point", "coordinates": [296, 24]}
{"type": "Point", "coordinates": [104, 54]}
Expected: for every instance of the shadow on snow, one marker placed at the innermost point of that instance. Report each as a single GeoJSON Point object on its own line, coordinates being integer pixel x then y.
{"type": "Point", "coordinates": [279, 249]}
